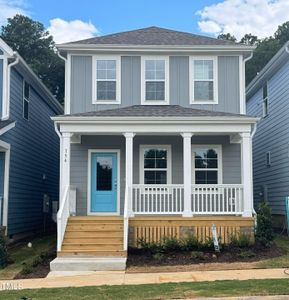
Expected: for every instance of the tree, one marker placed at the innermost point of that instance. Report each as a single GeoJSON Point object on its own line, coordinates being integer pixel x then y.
{"type": "Point", "coordinates": [227, 37]}
{"type": "Point", "coordinates": [282, 33]}
{"type": "Point", "coordinates": [249, 39]}
{"type": "Point", "coordinates": [30, 39]}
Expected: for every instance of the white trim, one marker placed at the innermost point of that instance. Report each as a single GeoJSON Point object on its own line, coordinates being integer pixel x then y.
{"type": "Point", "coordinates": [6, 128]}
{"type": "Point", "coordinates": [67, 89]}
{"type": "Point", "coordinates": [220, 160]}
{"type": "Point", "coordinates": [90, 151]}
{"type": "Point", "coordinates": [215, 79]}
{"type": "Point", "coordinates": [6, 183]}
{"type": "Point", "coordinates": [117, 58]}
{"type": "Point", "coordinates": [166, 101]}
{"type": "Point", "coordinates": [242, 85]}
{"type": "Point", "coordinates": [168, 169]}
{"type": "Point", "coordinates": [4, 87]}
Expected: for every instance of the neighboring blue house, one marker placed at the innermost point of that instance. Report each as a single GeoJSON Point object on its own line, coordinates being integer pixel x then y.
{"type": "Point", "coordinates": [268, 98]}
{"type": "Point", "coordinates": [29, 146]}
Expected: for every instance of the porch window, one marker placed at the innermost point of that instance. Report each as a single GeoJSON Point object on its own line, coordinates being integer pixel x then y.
{"type": "Point", "coordinates": [155, 164]}
{"type": "Point", "coordinates": [26, 97]}
{"type": "Point", "coordinates": [207, 164]}
{"type": "Point", "coordinates": [203, 80]}
{"type": "Point", "coordinates": [106, 83]}
{"type": "Point", "coordinates": [155, 85]}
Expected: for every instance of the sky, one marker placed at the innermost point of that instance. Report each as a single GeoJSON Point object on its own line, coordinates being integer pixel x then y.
{"type": "Point", "coordinates": [69, 20]}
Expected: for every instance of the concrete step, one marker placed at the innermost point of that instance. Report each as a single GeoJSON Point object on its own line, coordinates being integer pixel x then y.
{"type": "Point", "coordinates": [79, 263]}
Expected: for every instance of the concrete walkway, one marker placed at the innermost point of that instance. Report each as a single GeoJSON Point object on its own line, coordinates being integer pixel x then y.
{"type": "Point", "coordinates": [120, 277]}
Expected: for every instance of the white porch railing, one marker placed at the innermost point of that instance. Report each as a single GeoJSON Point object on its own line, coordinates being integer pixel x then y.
{"type": "Point", "coordinates": [67, 207]}
{"type": "Point", "coordinates": [125, 218]}
{"type": "Point", "coordinates": [158, 199]}
{"type": "Point", "coordinates": [221, 199]}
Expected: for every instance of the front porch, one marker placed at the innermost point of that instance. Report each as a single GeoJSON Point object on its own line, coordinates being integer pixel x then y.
{"type": "Point", "coordinates": [164, 177]}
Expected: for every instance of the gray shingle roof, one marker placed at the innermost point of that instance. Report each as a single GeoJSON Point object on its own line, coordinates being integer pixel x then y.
{"type": "Point", "coordinates": [155, 111]}
{"type": "Point", "coordinates": [154, 36]}
{"type": "Point", "coordinates": [5, 123]}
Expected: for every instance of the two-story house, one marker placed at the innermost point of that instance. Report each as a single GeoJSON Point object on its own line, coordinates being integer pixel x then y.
{"type": "Point", "coordinates": [154, 142]}
{"type": "Point", "coordinates": [268, 98]}
{"type": "Point", "coordinates": [29, 147]}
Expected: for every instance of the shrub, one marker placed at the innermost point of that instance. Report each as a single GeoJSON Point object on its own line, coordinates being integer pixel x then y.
{"type": "Point", "coordinates": [208, 243]}
{"type": "Point", "coordinates": [3, 249]}
{"type": "Point", "coordinates": [241, 240]}
{"type": "Point", "coordinates": [27, 269]}
{"type": "Point", "coordinates": [158, 256]}
{"type": "Point", "coordinates": [152, 247]}
{"type": "Point", "coordinates": [246, 254]}
{"type": "Point", "coordinates": [198, 255]}
{"type": "Point", "coordinates": [190, 243]}
{"type": "Point", "coordinates": [171, 244]}
{"type": "Point", "coordinates": [264, 232]}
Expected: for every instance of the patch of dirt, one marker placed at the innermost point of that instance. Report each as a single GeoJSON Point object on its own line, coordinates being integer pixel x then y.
{"type": "Point", "coordinates": [228, 259]}
{"type": "Point", "coordinates": [42, 269]}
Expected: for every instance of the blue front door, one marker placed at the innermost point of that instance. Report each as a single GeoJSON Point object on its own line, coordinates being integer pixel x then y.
{"type": "Point", "coordinates": [104, 182]}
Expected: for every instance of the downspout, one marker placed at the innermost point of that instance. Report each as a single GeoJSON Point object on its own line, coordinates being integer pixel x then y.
{"type": "Point", "coordinates": [243, 87]}
{"type": "Point", "coordinates": [66, 86]}
{"type": "Point", "coordinates": [252, 135]}
{"type": "Point", "coordinates": [7, 113]}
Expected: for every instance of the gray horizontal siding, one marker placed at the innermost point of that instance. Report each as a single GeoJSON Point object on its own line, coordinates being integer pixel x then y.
{"type": "Point", "coordinates": [272, 135]}
{"type": "Point", "coordinates": [34, 152]}
{"type": "Point", "coordinates": [228, 84]}
{"type": "Point", "coordinates": [1, 85]}
{"type": "Point", "coordinates": [79, 160]}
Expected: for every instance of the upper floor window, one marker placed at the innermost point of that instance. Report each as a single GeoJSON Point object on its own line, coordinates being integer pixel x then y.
{"type": "Point", "coordinates": [268, 158]}
{"type": "Point", "coordinates": [203, 80]}
{"type": "Point", "coordinates": [265, 100]}
{"type": "Point", "coordinates": [26, 97]}
{"type": "Point", "coordinates": [106, 72]}
{"type": "Point", "coordinates": [155, 80]}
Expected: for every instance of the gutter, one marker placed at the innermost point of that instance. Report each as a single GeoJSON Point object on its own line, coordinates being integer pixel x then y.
{"type": "Point", "coordinates": [7, 113]}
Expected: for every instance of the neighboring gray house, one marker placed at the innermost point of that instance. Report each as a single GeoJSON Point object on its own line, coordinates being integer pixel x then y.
{"type": "Point", "coordinates": [268, 98]}
{"type": "Point", "coordinates": [154, 142]}
{"type": "Point", "coordinates": [29, 146]}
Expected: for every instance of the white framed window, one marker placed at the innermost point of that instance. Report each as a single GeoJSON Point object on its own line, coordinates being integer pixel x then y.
{"type": "Point", "coordinates": [106, 80]}
{"type": "Point", "coordinates": [268, 158]}
{"type": "Point", "coordinates": [265, 100]}
{"type": "Point", "coordinates": [155, 80]}
{"type": "Point", "coordinates": [26, 97]}
{"type": "Point", "coordinates": [207, 164]}
{"type": "Point", "coordinates": [155, 164]}
{"type": "Point", "coordinates": [203, 80]}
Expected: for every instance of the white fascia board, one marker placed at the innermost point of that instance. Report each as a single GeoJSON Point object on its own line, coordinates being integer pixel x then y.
{"type": "Point", "coordinates": [152, 120]}
{"type": "Point", "coordinates": [6, 48]}
{"type": "Point", "coordinates": [6, 128]}
{"type": "Point", "coordinates": [155, 48]}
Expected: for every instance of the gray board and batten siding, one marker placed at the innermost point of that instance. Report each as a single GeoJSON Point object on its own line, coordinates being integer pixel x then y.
{"type": "Point", "coordinates": [79, 160]}
{"type": "Point", "coordinates": [81, 84]}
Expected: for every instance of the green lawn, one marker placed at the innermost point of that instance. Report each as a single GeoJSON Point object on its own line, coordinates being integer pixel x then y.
{"type": "Point", "coordinates": [281, 261]}
{"type": "Point", "coordinates": [23, 254]}
{"type": "Point", "coordinates": [158, 291]}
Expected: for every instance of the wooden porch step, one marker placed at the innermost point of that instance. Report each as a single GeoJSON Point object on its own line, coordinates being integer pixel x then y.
{"type": "Point", "coordinates": [92, 247]}
{"type": "Point", "coordinates": [93, 240]}
{"type": "Point", "coordinates": [92, 253]}
{"type": "Point", "coordinates": [94, 227]}
{"type": "Point", "coordinates": [93, 234]}
{"type": "Point", "coordinates": [95, 218]}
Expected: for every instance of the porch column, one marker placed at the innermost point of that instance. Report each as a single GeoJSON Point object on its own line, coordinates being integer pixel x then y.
{"type": "Point", "coordinates": [187, 169]}
{"type": "Point", "coordinates": [129, 167]}
{"type": "Point", "coordinates": [247, 174]}
{"type": "Point", "coordinates": [64, 163]}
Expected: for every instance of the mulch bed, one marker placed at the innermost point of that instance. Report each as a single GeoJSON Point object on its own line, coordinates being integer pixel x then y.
{"type": "Point", "coordinates": [141, 258]}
